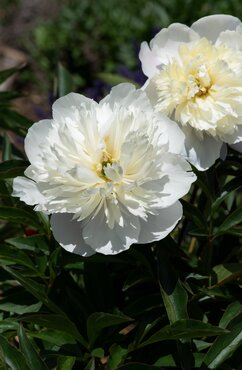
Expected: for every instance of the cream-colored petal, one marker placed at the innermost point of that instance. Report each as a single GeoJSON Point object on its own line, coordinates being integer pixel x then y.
{"type": "Point", "coordinates": [212, 25]}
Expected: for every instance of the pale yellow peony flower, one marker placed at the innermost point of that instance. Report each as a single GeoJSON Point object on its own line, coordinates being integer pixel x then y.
{"type": "Point", "coordinates": [195, 77]}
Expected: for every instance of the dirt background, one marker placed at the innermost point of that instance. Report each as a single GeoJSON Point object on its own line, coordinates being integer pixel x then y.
{"type": "Point", "coordinates": [17, 19]}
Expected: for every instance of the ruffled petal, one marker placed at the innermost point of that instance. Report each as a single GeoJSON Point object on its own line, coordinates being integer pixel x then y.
{"type": "Point", "coordinates": [211, 26]}
{"type": "Point", "coordinates": [68, 233]}
{"type": "Point", "coordinates": [159, 226]}
{"type": "Point", "coordinates": [27, 191]}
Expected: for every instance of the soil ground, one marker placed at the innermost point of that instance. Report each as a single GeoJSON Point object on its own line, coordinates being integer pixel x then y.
{"type": "Point", "coordinates": [17, 19]}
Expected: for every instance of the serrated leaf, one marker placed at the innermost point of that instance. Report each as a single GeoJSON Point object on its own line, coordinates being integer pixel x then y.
{"type": "Point", "coordinates": [100, 320]}
{"type": "Point", "coordinates": [11, 356]}
{"type": "Point", "coordinates": [32, 357]}
{"type": "Point", "coordinates": [12, 168]}
{"type": "Point", "coordinates": [184, 329]}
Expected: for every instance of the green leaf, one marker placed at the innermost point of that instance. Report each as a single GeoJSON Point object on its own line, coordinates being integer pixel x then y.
{"type": "Point", "coordinates": [5, 73]}
{"type": "Point", "coordinates": [11, 356]}
{"type": "Point", "coordinates": [31, 243]}
{"type": "Point", "coordinates": [231, 312]}
{"type": "Point", "coordinates": [97, 352]}
{"type": "Point", "coordinates": [227, 272]}
{"type": "Point", "coordinates": [114, 79]}
{"type": "Point", "coordinates": [66, 362]}
{"type": "Point", "coordinates": [38, 290]}
{"type": "Point", "coordinates": [6, 325]}
{"type": "Point", "coordinates": [57, 322]}
{"type": "Point", "coordinates": [7, 149]}
{"type": "Point", "coordinates": [15, 256]}
{"type": "Point", "coordinates": [100, 320]}
{"type": "Point", "coordinates": [224, 347]}
{"type": "Point", "coordinates": [138, 366]}
{"type": "Point", "coordinates": [14, 121]}
{"type": "Point", "coordinates": [32, 357]}
{"type": "Point", "coordinates": [18, 215]}
{"type": "Point", "coordinates": [12, 168]}
{"type": "Point", "coordinates": [65, 81]}
{"type": "Point", "coordinates": [8, 95]}
{"type": "Point", "coordinates": [57, 337]}
{"type": "Point", "coordinates": [117, 355]}
{"type": "Point", "coordinates": [20, 309]}
{"type": "Point", "coordinates": [195, 215]}
{"type": "Point", "coordinates": [233, 219]}
{"type": "Point", "coordinates": [184, 329]}
{"type": "Point", "coordinates": [173, 294]}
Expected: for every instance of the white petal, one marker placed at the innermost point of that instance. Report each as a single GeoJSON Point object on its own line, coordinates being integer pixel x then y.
{"type": "Point", "coordinates": [149, 60]}
{"type": "Point", "coordinates": [36, 136]}
{"type": "Point", "coordinates": [105, 240]}
{"type": "Point", "coordinates": [159, 226]}
{"type": "Point", "coordinates": [232, 39]}
{"type": "Point", "coordinates": [175, 136]}
{"type": "Point", "coordinates": [176, 181]}
{"type": "Point", "coordinates": [211, 26]}
{"type": "Point", "coordinates": [164, 47]}
{"type": "Point", "coordinates": [65, 107]}
{"type": "Point", "coordinates": [126, 95]}
{"type": "Point", "coordinates": [68, 233]}
{"type": "Point", "coordinates": [202, 153]}
{"type": "Point", "coordinates": [27, 191]}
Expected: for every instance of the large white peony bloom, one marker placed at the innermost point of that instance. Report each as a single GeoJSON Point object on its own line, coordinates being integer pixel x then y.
{"type": "Point", "coordinates": [195, 77]}
{"type": "Point", "coordinates": [106, 172]}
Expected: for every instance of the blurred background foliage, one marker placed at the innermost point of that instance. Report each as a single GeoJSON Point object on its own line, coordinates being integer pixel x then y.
{"type": "Point", "coordinates": [175, 304]}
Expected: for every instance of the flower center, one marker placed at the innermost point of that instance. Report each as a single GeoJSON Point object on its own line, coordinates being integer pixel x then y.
{"type": "Point", "coordinates": [109, 169]}
{"type": "Point", "coordinates": [198, 82]}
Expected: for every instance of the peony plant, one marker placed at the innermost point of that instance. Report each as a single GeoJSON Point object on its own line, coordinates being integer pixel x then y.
{"type": "Point", "coordinates": [195, 77]}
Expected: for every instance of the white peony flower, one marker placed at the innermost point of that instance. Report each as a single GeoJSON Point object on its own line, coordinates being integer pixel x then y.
{"type": "Point", "coordinates": [195, 77]}
{"type": "Point", "coordinates": [106, 172]}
